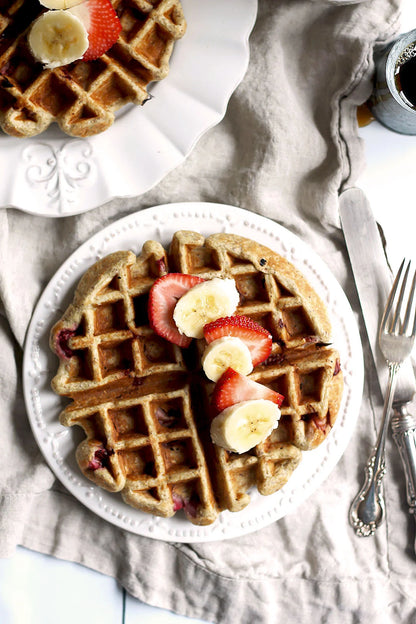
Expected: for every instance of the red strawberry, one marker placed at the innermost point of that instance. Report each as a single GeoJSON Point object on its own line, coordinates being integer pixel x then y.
{"type": "Point", "coordinates": [256, 337]}
{"type": "Point", "coordinates": [163, 297]}
{"type": "Point", "coordinates": [232, 388]}
{"type": "Point", "coordinates": [103, 27]}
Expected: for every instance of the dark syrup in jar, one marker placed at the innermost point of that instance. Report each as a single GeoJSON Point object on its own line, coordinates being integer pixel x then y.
{"type": "Point", "coordinates": [405, 75]}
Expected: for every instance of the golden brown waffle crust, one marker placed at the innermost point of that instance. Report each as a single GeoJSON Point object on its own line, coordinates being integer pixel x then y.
{"type": "Point", "coordinates": [278, 265]}
{"type": "Point", "coordinates": [96, 275]}
{"type": "Point", "coordinates": [303, 367]}
{"type": "Point", "coordinates": [82, 97]}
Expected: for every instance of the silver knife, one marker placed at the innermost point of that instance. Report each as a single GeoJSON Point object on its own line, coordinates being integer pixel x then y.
{"type": "Point", "coordinates": [373, 280]}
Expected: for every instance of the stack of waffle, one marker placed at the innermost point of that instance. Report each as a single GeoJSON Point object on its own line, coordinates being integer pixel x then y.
{"type": "Point", "coordinates": [144, 403]}
{"type": "Point", "coordinates": [82, 97]}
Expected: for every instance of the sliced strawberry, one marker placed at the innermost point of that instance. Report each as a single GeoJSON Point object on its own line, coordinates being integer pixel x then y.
{"type": "Point", "coordinates": [232, 388]}
{"type": "Point", "coordinates": [257, 338]}
{"type": "Point", "coordinates": [103, 27]}
{"type": "Point", "coordinates": [163, 297]}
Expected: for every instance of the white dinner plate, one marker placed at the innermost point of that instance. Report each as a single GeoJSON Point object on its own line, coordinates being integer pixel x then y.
{"type": "Point", "coordinates": [58, 443]}
{"type": "Point", "coordinates": [55, 175]}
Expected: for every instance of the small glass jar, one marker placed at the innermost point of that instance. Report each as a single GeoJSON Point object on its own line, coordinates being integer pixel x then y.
{"type": "Point", "coordinates": [388, 102]}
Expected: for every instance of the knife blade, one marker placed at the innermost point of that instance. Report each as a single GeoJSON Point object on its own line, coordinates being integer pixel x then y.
{"type": "Point", "coordinates": [373, 280]}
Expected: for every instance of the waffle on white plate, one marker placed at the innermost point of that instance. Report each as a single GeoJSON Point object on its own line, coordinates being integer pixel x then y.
{"type": "Point", "coordinates": [83, 96]}
{"type": "Point", "coordinates": [145, 403]}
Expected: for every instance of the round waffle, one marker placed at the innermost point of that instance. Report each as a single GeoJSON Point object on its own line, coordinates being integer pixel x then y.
{"type": "Point", "coordinates": [144, 403]}
{"type": "Point", "coordinates": [82, 97]}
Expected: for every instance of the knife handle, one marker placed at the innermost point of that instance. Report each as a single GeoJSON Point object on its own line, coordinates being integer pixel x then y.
{"type": "Point", "coordinates": [403, 427]}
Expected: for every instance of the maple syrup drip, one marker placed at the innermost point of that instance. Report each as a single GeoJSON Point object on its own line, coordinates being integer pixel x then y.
{"type": "Point", "coordinates": [364, 115]}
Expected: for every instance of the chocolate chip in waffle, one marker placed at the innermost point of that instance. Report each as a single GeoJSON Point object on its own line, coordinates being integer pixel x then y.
{"type": "Point", "coordinates": [144, 403]}
{"type": "Point", "coordinates": [82, 97]}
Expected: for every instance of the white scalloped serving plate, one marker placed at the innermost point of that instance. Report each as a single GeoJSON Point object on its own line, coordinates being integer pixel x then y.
{"type": "Point", "coordinates": [58, 443]}
{"type": "Point", "coordinates": [57, 176]}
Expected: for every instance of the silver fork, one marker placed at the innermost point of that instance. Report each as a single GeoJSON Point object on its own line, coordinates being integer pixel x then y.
{"type": "Point", "coordinates": [396, 339]}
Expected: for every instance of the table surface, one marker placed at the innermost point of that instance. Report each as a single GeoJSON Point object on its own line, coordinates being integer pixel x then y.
{"type": "Point", "coordinates": [33, 587]}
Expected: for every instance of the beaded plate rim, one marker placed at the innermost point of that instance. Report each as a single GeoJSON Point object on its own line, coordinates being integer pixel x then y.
{"type": "Point", "coordinates": [58, 443]}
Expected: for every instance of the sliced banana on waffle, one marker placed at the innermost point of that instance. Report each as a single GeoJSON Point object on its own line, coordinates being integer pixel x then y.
{"type": "Point", "coordinates": [244, 425]}
{"type": "Point", "coordinates": [58, 38]}
{"type": "Point", "coordinates": [226, 352]}
{"type": "Point", "coordinates": [59, 4]}
{"type": "Point", "coordinates": [204, 303]}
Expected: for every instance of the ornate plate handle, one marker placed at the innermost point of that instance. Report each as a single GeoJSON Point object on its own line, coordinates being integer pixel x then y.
{"type": "Point", "coordinates": [59, 172]}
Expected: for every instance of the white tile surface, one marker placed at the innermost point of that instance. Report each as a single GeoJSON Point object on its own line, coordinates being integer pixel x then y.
{"type": "Point", "coordinates": [36, 589]}
{"type": "Point", "coordinates": [408, 15]}
{"type": "Point", "coordinates": [389, 180]}
{"type": "Point", "coordinates": [138, 613]}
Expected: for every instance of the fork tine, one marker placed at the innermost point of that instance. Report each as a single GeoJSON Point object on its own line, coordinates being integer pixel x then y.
{"type": "Point", "coordinates": [409, 306]}
{"type": "Point", "coordinates": [390, 300]}
{"type": "Point", "coordinates": [414, 325]}
{"type": "Point", "coordinates": [395, 328]}
{"type": "Point", "coordinates": [413, 334]}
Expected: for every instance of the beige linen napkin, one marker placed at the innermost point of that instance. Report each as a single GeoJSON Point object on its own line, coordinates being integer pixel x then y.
{"type": "Point", "coordinates": [286, 147]}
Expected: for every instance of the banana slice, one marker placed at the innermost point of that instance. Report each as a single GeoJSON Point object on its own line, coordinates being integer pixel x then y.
{"type": "Point", "coordinates": [204, 303]}
{"type": "Point", "coordinates": [244, 425]}
{"type": "Point", "coordinates": [225, 352]}
{"type": "Point", "coordinates": [58, 38]}
{"type": "Point", "coordinates": [59, 4]}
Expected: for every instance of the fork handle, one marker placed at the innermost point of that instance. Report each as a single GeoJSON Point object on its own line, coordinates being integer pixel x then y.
{"type": "Point", "coordinates": [403, 427]}
{"type": "Point", "coordinates": [367, 509]}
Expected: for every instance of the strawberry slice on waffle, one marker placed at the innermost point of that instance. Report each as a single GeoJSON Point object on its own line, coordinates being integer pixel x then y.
{"type": "Point", "coordinates": [102, 25]}
{"type": "Point", "coordinates": [232, 388]}
{"type": "Point", "coordinates": [163, 297]}
{"type": "Point", "coordinates": [257, 338]}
